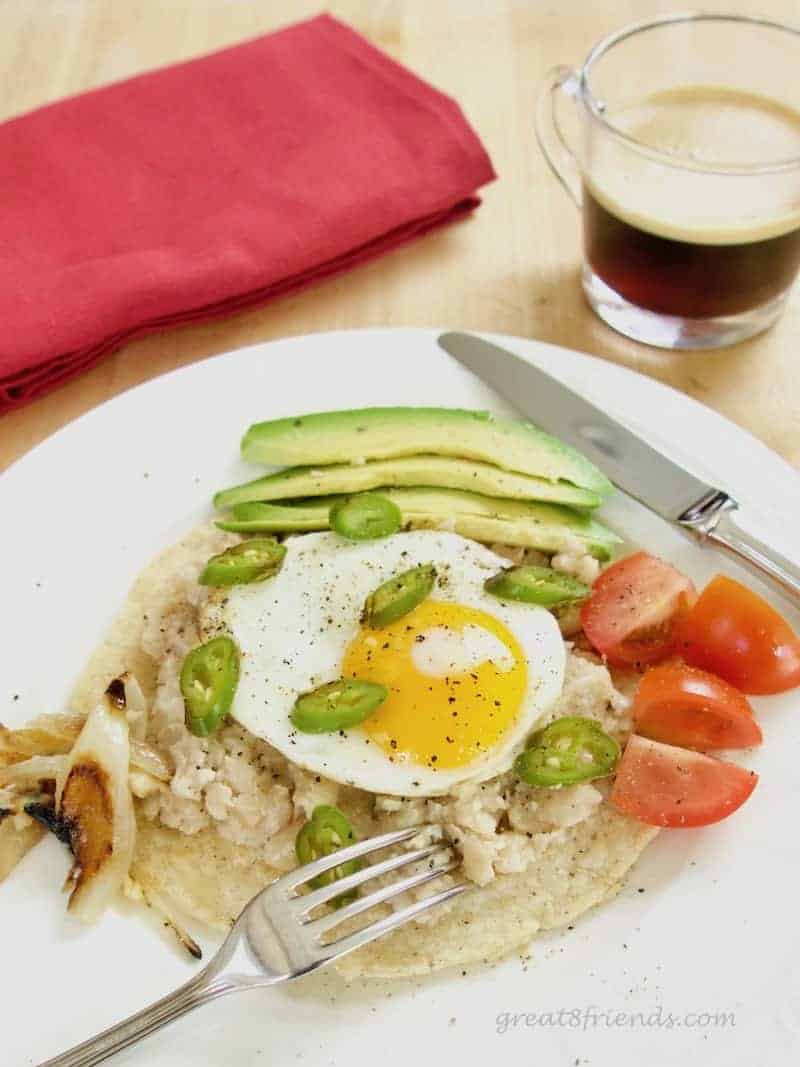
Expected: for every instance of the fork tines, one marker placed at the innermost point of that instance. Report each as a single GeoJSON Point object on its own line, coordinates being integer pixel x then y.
{"type": "Point", "coordinates": [441, 860]}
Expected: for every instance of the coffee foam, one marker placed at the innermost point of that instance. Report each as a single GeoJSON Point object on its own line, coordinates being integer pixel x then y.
{"type": "Point", "coordinates": [710, 127]}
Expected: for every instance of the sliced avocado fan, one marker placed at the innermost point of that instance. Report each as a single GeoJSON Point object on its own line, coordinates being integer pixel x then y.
{"type": "Point", "coordinates": [547, 527]}
{"type": "Point", "coordinates": [389, 433]}
{"type": "Point", "coordinates": [445, 472]}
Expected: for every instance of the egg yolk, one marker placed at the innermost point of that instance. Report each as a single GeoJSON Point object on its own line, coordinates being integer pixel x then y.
{"type": "Point", "coordinates": [440, 722]}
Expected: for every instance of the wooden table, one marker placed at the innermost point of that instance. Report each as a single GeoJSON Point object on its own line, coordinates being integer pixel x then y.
{"type": "Point", "coordinates": [513, 268]}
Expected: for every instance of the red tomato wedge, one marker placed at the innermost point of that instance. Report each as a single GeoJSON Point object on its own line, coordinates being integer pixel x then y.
{"type": "Point", "coordinates": [737, 635]}
{"type": "Point", "coordinates": [685, 706]}
{"type": "Point", "coordinates": [634, 607]}
{"type": "Point", "coordinates": [668, 786]}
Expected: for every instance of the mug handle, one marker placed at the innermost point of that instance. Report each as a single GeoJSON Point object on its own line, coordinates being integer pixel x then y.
{"type": "Point", "coordinates": [554, 145]}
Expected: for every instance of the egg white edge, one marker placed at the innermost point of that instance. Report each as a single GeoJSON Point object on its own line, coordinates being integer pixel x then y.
{"type": "Point", "coordinates": [405, 779]}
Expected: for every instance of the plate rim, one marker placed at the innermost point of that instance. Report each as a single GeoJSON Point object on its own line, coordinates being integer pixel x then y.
{"type": "Point", "coordinates": [422, 331]}
{"type": "Point", "coordinates": [609, 369]}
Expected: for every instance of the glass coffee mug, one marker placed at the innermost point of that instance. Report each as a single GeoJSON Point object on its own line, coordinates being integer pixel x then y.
{"type": "Point", "coordinates": [685, 163]}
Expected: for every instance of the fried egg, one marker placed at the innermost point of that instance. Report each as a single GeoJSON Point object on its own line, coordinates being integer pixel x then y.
{"type": "Point", "coordinates": [469, 676]}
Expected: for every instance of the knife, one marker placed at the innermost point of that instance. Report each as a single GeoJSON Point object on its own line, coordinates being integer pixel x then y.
{"type": "Point", "coordinates": [644, 473]}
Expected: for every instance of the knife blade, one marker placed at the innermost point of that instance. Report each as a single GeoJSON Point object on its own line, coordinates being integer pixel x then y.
{"type": "Point", "coordinates": [639, 469]}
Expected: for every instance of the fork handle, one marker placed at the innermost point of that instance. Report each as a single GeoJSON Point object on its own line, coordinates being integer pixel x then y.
{"type": "Point", "coordinates": [199, 990]}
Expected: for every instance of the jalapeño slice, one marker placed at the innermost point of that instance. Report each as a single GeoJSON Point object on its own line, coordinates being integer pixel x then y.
{"type": "Point", "coordinates": [251, 561]}
{"type": "Point", "coordinates": [536, 585]}
{"type": "Point", "coordinates": [209, 676]}
{"type": "Point", "coordinates": [326, 832]}
{"type": "Point", "coordinates": [337, 705]}
{"type": "Point", "coordinates": [570, 750]}
{"type": "Point", "coordinates": [365, 517]}
{"type": "Point", "coordinates": [398, 596]}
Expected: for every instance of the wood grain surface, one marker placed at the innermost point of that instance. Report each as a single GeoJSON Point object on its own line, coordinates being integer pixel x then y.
{"type": "Point", "coordinates": [513, 268]}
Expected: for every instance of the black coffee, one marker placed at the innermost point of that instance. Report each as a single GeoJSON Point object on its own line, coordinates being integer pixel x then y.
{"type": "Point", "coordinates": [690, 238]}
{"type": "Point", "coordinates": [677, 277]}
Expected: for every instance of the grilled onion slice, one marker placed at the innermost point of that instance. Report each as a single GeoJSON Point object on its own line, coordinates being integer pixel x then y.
{"type": "Point", "coordinates": [31, 773]}
{"type": "Point", "coordinates": [95, 807]}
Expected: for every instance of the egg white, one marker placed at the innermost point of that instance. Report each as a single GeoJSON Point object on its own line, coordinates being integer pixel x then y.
{"type": "Point", "coordinates": [293, 630]}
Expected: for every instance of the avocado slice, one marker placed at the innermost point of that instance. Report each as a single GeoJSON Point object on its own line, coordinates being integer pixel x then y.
{"type": "Point", "coordinates": [279, 518]}
{"type": "Point", "coordinates": [483, 518]}
{"type": "Point", "coordinates": [445, 472]}
{"type": "Point", "coordinates": [387, 433]}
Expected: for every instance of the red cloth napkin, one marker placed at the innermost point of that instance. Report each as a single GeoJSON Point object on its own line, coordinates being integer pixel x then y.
{"type": "Point", "coordinates": [212, 186]}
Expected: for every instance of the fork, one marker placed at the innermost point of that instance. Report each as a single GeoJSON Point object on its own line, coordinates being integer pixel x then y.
{"type": "Point", "coordinates": [276, 939]}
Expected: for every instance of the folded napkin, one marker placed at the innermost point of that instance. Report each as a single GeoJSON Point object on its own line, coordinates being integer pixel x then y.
{"type": "Point", "coordinates": [212, 186]}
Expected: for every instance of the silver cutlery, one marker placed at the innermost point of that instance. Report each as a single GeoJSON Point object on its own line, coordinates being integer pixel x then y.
{"type": "Point", "coordinates": [277, 937]}
{"type": "Point", "coordinates": [663, 486]}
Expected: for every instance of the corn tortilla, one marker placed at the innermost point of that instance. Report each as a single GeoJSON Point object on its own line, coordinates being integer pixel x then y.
{"type": "Point", "coordinates": [210, 878]}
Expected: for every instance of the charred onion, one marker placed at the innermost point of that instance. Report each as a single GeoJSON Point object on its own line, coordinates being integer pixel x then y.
{"type": "Point", "coordinates": [95, 807]}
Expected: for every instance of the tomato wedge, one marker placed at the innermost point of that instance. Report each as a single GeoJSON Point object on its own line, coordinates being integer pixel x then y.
{"type": "Point", "coordinates": [634, 607]}
{"type": "Point", "coordinates": [737, 635]}
{"type": "Point", "coordinates": [685, 706]}
{"type": "Point", "coordinates": [663, 785]}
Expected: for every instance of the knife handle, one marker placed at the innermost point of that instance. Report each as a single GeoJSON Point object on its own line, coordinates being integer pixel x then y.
{"type": "Point", "coordinates": [754, 554]}
{"type": "Point", "coordinates": [713, 521]}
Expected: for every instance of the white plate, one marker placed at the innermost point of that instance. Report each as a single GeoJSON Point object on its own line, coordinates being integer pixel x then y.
{"type": "Point", "coordinates": [716, 930]}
